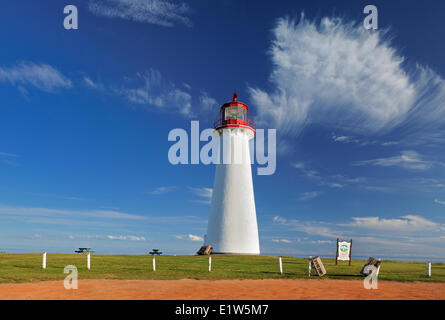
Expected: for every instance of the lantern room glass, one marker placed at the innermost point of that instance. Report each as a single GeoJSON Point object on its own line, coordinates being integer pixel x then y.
{"type": "Point", "coordinates": [235, 112]}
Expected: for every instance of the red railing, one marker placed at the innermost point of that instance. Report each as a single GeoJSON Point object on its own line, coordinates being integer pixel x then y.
{"type": "Point", "coordinates": [233, 122]}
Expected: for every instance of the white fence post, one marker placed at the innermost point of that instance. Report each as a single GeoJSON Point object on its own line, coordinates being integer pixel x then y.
{"type": "Point", "coordinates": [429, 268]}
{"type": "Point", "coordinates": [310, 266]}
{"type": "Point", "coordinates": [210, 263]}
{"type": "Point", "coordinates": [281, 265]}
{"type": "Point", "coordinates": [154, 263]}
{"type": "Point", "coordinates": [44, 260]}
{"type": "Point", "coordinates": [89, 260]}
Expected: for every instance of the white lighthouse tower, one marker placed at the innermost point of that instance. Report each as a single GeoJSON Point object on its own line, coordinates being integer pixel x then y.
{"type": "Point", "coordinates": [232, 226]}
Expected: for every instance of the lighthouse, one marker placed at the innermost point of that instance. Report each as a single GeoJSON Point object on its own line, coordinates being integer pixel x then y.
{"type": "Point", "coordinates": [232, 226]}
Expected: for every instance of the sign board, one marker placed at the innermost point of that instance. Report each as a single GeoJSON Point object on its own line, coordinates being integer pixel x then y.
{"type": "Point", "coordinates": [344, 250]}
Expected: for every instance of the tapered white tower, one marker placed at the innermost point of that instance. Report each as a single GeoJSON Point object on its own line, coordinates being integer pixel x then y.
{"type": "Point", "coordinates": [233, 227]}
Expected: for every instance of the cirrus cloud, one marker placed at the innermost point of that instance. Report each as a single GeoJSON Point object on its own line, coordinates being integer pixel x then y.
{"type": "Point", "coordinates": [406, 159]}
{"type": "Point", "coordinates": [156, 92]}
{"type": "Point", "coordinates": [131, 238]}
{"type": "Point", "coordinates": [204, 193]}
{"type": "Point", "coordinates": [190, 237]}
{"type": "Point", "coordinates": [158, 12]}
{"type": "Point", "coordinates": [193, 237]}
{"type": "Point", "coordinates": [338, 74]}
{"type": "Point", "coordinates": [309, 195]}
{"type": "Point", "coordinates": [402, 236]}
{"type": "Point", "coordinates": [161, 190]}
{"type": "Point", "coordinates": [408, 222]}
{"type": "Point", "coordinates": [41, 76]}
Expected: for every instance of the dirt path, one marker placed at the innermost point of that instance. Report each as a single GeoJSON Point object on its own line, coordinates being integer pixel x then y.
{"type": "Point", "coordinates": [223, 289]}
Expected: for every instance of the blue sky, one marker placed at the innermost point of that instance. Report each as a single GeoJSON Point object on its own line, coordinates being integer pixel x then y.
{"type": "Point", "coordinates": [85, 115]}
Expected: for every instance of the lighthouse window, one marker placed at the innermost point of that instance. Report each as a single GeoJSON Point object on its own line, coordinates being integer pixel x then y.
{"type": "Point", "coordinates": [235, 112]}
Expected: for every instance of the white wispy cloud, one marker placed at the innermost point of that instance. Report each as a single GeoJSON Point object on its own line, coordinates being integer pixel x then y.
{"type": "Point", "coordinates": [92, 84]}
{"type": "Point", "coordinates": [406, 159]}
{"type": "Point", "coordinates": [152, 91]}
{"type": "Point", "coordinates": [307, 172]}
{"type": "Point", "coordinates": [407, 235]}
{"type": "Point", "coordinates": [90, 217]}
{"type": "Point", "coordinates": [131, 238]}
{"type": "Point", "coordinates": [298, 165]}
{"type": "Point", "coordinates": [345, 139]}
{"type": "Point", "coordinates": [190, 237]}
{"type": "Point", "coordinates": [346, 179]}
{"type": "Point", "coordinates": [56, 196]}
{"type": "Point", "coordinates": [309, 195]}
{"type": "Point", "coordinates": [377, 188]}
{"type": "Point", "coordinates": [316, 229]}
{"type": "Point", "coordinates": [428, 183]}
{"type": "Point", "coordinates": [161, 190]}
{"type": "Point", "coordinates": [362, 142]}
{"type": "Point", "coordinates": [193, 237]}
{"type": "Point", "coordinates": [279, 219]}
{"type": "Point", "coordinates": [387, 226]}
{"type": "Point", "coordinates": [281, 240]}
{"type": "Point", "coordinates": [336, 181]}
{"type": "Point", "coordinates": [439, 201]}
{"type": "Point", "coordinates": [157, 93]}
{"type": "Point", "coordinates": [408, 222]}
{"type": "Point", "coordinates": [208, 103]}
{"type": "Point", "coordinates": [343, 76]}
{"type": "Point", "coordinates": [340, 181]}
{"type": "Point", "coordinates": [56, 214]}
{"type": "Point", "coordinates": [28, 74]}
{"type": "Point", "coordinates": [204, 193]}
{"type": "Point", "coordinates": [334, 184]}
{"type": "Point", "coordinates": [159, 12]}
{"type": "Point", "coordinates": [322, 242]}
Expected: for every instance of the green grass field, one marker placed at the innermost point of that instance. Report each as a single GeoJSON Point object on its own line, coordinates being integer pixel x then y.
{"type": "Point", "coordinates": [15, 268]}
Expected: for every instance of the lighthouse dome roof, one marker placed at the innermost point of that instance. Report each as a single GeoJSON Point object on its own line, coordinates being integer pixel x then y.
{"type": "Point", "coordinates": [234, 102]}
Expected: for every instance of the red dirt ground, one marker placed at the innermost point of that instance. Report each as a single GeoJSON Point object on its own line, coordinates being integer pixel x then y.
{"type": "Point", "coordinates": [222, 289]}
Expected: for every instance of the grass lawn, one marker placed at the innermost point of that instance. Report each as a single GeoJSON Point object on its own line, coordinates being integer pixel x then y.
{"type": "Point", "coordinates": [16, 267]}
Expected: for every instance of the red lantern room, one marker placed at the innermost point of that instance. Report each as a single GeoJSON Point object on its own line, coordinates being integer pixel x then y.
{"type": "Point", "coordinates": [234, 114]}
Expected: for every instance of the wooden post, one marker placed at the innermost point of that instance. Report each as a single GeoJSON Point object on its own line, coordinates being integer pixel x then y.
{"type": "Point", "coordinates": [89, 260]}
{"type": "Point", "coordinates": [210, 263]}
{"type": "Point", "coordinates": [350, 252]}
{"type": "Point", "coordinates": [336, 253]}
{"type": "Point", "coordinates": [154, 263]}
{"type": "Point", "coordinates": [281, 265]}
{"type": "Point", "coordinates": [428, 267]}
{"type": "Point", "coordinates": [44, 260]}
